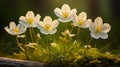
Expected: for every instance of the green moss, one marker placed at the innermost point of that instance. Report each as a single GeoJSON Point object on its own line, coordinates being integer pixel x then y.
{"type": "Point", "coordinates": [69, 55]}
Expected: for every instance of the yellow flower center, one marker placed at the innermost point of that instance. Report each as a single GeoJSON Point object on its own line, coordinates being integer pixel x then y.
{"type": "Point", "coordinates": [30, 20]}
{"type": "Point", "coordinates": [65, 14]}
{"type": "Point", "coordinates": [98, 29]}
{"type": "Point", "coordinates": [16, 30]}
{"type": "Point", "coordinates": [80, 22]}
{"type": "Point", "coordinates": [47, 27]}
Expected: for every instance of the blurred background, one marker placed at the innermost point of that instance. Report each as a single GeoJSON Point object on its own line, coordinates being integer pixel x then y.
{"type": "Point", "coordinates": [109, 10]}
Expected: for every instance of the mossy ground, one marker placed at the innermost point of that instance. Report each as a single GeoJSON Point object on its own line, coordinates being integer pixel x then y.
{"type": "Point", "coordinates": [69, 55]}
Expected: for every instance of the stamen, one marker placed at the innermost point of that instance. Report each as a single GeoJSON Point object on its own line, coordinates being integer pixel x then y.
{"type": "Point", "coordinates": [47, 27]}
{"type": "Point", "coordinates": [16, 30]}
{"type": "Point", "coordinates": [98, 29]}
{"type": "Point", "coordinates": [30, 20]}
{"type": "Point", "coordinates": [65, 14]}
{"type": "Point", "coordinates": [80, 22]}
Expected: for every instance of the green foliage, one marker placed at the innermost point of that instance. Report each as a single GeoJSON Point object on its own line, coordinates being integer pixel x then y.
{"type": "Point", "coordinates": [67, 55]}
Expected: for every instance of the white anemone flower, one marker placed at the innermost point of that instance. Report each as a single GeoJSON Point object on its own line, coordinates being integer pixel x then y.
{"type": "Point", "coordinates": [48, 26]}
{"type": "Point", "coordinates": [30, 19]}
{"type": "Point", "coordinates": [81, 20]}
{"type": "Point", "coordinates": [98, 29]}
{"type": "Point", "coordinates": [15, 30]}
{"type": "Point", "coordinates": [65, 14]}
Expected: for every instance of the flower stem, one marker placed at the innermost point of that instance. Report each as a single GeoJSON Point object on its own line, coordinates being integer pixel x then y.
{"type": "Point", "coordinates": [72, 28]}
{"type": "Point", "coordinates": [48, 48]}
{"type": "Point", "coordinates": [25, 39]}
{"type": "Point", "coordinates": [37, 41]}
{"type": "Point", "coordinates": [31, 34]}
{"type": "Point", "coordinates": [24, 50]}
{"type": "Point", "coordinates": [19, 45]}
{"type": "Point", "coordinates": [26, 53]}
{"type": "Point", "coordinates": [89, 41]}
{"type": "Point", "coordinates": [78, 31]}
{"type": "Point", "coordinates": [66, 26]}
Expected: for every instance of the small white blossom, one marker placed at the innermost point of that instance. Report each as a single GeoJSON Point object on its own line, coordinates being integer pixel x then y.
{"type": "Point", "coordinates": [30, 19]}
{"type": "Point", "coordinates": [21, 36]}
{"type": "Point", "coordinates": [67, 33]}
{"type": "Point", "coordinates": [107, 53]}
{"type": "Point", "coordinates": [98, 29]}
{"type": "Point", "coordinates": [87, 46]}
{"type": "Point", "coordinates": [53, 44]}
{"type": "Point", "coordinates": [65, 14]}
{"type": "Point", "coordinates": [15, 30]}
{"type": "Point", "coordinates": [66, 36]}
{"type": "Point", "coordinates": [81, 20]}
{"type": "Point", "coordinates": [48, 26]}
{"type": "Point", "coordinates": [31, 45]}
{"type": "Point", "coordinates": [38, 36]}
{"type": "Point", "coordinates": [64, 39]}
{"type": "Point", "coordinates": [75, 41]}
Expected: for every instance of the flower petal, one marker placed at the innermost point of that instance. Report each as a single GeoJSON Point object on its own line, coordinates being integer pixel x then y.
{"type": "Point", "coordinates": [44, 32]}
{"type": "Point", "coordinates": [87, 23]}
{"type": "Point", "coordinates": [40, 25]}
{"type": "Point", "coordinates": [82, 16]}
{"type": "Point", "coordinates": [22, 18]}
{"type": "Point", "coordinates": [58, 12]}
{"type": "Point", "coordinates": [75, 20]}
{"type": "Point", "coordinates": [24, 23]}
{"type": "Point", "coordinates": [98, 22]}
{"type": "Point", "coordinates": [94, 35]}
{"type": "Point", "coordinates": [53, 31]}
{"type": "Point", "coordinates": [72, 12]}
{"type": "Point", "coordinates": [30, 14]}
{"type": "Point", "coordinates": [65, 19]}
{"type": "Point", "coordinates": [12, 25]}
{"type": "Point", "coordinates": [66, 8]}
{"type": "Point", "coordinates": [106, 28]}
{"type": "Point", "coordinates": [55, 23]}
{"type": "Point", "coordinates": [47, 19]}
{"type": "Point", "coordinates": [18, 26]}
{"type": "Point", "coordinates": [92, 27]}
{"type": "Point", "coordinates": [22, 28]}
{"type": "Point", "coordinates": [103, 35]}
{"type": "Point", "coordinates": [37, 18]}
{"type": "Point", "coordinates": [8, 30]}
